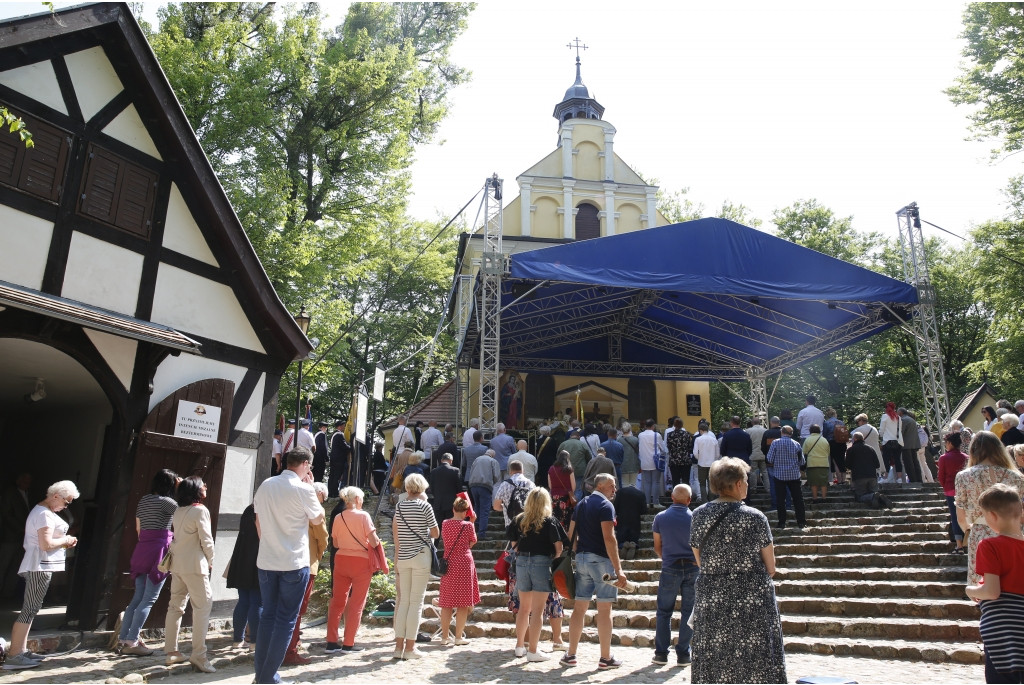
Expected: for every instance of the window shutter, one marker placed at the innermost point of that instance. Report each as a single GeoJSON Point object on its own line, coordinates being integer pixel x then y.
{"type": "Point", "coordinates": [118, 193]}
{"type": "Point", "coordinates": [38, 170]}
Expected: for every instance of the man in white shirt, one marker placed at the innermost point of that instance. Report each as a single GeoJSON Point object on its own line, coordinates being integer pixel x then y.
{"type": "Point", "coordinates": [705, 451]}
{"type": "Point", "coordinates": [305, 439]}
{"type": "Point", "coordinates": [285, 506]}
{"type": "Point", "coordinates": [528, 460]}
{"type": "Point", "coordinates": [809, 416]}
{"type": "Point", "coordinates": [652, 480]}
{"type": "Point", "coordinates": [467, 437]}
{"type": "Point", "coordinates": [276, 465]}
{"type": "Point", "coordinates": [402, 435]}
{"type": "Point", "coordinates": [431, 439]}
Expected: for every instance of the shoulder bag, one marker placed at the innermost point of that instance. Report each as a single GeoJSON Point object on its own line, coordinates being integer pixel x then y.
{"type": "Point", "coordinates": [435, 561]}
{"type": "Point", "coordinates": [378, 560]}
{"type": "Point", "coordinates": [563, 571]}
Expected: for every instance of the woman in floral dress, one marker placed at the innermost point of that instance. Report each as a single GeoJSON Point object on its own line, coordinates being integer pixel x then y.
{"type": "Point", "coordinates": [737, 632]}
{"type": "Point", "coordinates": [989, 464]}
{"type": "Point", "coordinates": [459, 588]}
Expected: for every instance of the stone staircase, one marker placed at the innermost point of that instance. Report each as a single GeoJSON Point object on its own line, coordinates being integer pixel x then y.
{"type": "Point", "coordinates": [856, 582]}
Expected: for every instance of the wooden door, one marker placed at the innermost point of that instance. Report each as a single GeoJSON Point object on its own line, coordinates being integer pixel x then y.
{"type": "Point", "coordinates": [158, 448]}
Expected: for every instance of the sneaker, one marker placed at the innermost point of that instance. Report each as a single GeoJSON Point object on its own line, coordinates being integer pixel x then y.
{"type": "Point", "coordinates": [136, 650]}
{"type": "Point", "coordinates": [18, 662]}
{"type": "Point", "coordinates": [412, 654]}
{"type": "Point", "coordinates": [536, 656]}
{"type": "Point", "coordinates": [460, 641]}
{"type": "Point", "coordinates": [558, 647]}
{"type": "Point", "coordinates": [568, 659]}
{"type": "Point", "coordinates": [682, 661]}
{"type": "Point", "coordinates": [295, 659]}
{"type": "Point", "coordinates": [610, 662]}
{"type": "Point", "coordinates": [520, 651]}
{"type": "Point", "coordinates": [39, 657]}
{"type": "Point", "coordinates": [397, 655]}
{"type": "Point", "coordinates": [352, 648]}
{"type": "Point", "coordinates": [332, 648]}
{"type": "Point", "coordinates": [660, 659]}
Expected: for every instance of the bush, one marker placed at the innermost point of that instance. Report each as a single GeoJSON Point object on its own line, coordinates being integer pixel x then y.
{"type": "Point", "coordinates": [381, 588]}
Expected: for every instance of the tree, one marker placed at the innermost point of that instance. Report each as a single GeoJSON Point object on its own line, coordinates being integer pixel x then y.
{"type": "Point", "coordinates": [312, 132]}
{"type": "Point", "coordinates": [808, 223]}
{"type": "Point", "coordinates": [676, 207]}
{"type": "Point", "coordinates": [993, 77]}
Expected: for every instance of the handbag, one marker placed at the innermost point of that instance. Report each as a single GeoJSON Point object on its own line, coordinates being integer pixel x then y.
{"type": "Point", "coordinates": [563, 571]}
{"type": "Point", "coordinates": [435, 561]}
{"type": "Point", "coordinates": [502, 567]}
{"type": "Point", "coordinates": [659, 458]}
{"type": "Point", "coordinates": [442, 563]}
{"type": "Point", "coordinates": [165, 561]}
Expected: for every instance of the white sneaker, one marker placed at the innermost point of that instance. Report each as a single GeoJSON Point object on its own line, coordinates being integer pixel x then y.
{"type": "Point", "coordinates": [536, 656]}
{"type": "Point", "coordinates": [520, 651]}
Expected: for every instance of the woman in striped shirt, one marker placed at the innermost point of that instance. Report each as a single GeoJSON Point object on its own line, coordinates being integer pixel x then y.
{"type": "Point", "coordinates": [412, 528]}
{"type": "Point", "coordinates": [153, 526]}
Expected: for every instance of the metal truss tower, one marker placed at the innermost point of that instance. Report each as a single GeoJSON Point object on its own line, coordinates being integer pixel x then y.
{"type": "Point", "coordinates": [924, 326]}
{"type": "Point", "coordinates": [493, 267]}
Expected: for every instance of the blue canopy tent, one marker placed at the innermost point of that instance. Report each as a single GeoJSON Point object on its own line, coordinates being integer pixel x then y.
{"type": "Point", "coordinates": [706, 300]}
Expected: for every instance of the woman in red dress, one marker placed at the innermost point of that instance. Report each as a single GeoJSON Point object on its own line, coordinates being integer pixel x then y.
{"type": "Point", "coordinates": [459, 588]}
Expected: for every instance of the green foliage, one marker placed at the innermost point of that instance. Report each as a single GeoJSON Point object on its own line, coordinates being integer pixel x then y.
{"type": "Point", "coordinates": [808, 223]}
{"type": "Point", "coordinates": [676, 207]}
{"type": "Point", "coordinates": [992, 77]}
{"type": "Point", "coordinates": [382, 587]}
{"type": "Point", "coordinates": [312, 131]}
{"type": "Point", "coordinates": [15, 125]}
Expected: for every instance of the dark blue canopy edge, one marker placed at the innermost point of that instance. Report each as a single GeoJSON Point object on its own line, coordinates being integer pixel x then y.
{"type": "Point", "coordinates": [706, 300]}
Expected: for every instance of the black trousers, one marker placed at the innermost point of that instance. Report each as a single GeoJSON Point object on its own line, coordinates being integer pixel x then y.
{"type": "Point", "coordinates": [793, 486]}
{"type": "Point", "coordinates": [336, 478]}
{"type": "Point", "coordinates": [912, 466]}
{"type": "Point", "coordinates": [680, 474]}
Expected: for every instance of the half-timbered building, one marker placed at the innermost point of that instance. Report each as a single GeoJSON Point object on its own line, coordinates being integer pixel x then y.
{"type": "Point", "coordinates": [138, 329]}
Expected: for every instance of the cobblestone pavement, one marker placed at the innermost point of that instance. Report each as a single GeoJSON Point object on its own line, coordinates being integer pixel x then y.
{"type": "Point", "coordinates": [485, 660]}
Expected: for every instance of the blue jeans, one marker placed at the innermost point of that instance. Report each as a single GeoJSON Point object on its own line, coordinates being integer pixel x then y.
{"type": "Point", "coordinates": [282, 593]}
{"type": "Point", "coordinates": [675, 581]}
{"type": "Point", "coordinates": [483, 504]}
{"type": "Point", "coordinates": [247, 610]}
{"type": "Point", "coordinates": [956, 530]}
{"type": "Point", "coordinates": [137, 611]}
{"type": "Point", "coordinates": [652, 482]}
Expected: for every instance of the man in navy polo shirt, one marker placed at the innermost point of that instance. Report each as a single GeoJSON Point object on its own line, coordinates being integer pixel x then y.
{"type": "Point", "coordinates": [678, 574]}
{"type": "Point", "coordinates": [597, 553]}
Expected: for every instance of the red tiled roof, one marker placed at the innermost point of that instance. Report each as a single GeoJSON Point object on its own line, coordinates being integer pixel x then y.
{"type": "Point", "coordinates": [438, 405]}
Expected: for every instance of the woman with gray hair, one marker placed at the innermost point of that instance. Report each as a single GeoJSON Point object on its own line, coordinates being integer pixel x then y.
{"type": "Point", "coordinates": [353, 535]}
{"type": "Point", "coordinates": [412, 528]}
{"type": "Point", "coordinates": [46, 543]}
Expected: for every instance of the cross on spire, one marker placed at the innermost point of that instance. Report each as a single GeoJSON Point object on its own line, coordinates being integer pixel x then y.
{"type": "Point", "coordinates": [578, 46]}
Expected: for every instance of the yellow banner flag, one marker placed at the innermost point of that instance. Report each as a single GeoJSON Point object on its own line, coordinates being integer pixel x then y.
{"type": "Point", "coordinates": [350, 425]}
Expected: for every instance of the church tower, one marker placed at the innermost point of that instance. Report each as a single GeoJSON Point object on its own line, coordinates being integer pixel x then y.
{"type": "Point", "coordinates": [582, 189]}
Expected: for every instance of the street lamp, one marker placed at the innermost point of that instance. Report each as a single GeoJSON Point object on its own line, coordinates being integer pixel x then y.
{"type": "Point", "coordinates": [302, 320]}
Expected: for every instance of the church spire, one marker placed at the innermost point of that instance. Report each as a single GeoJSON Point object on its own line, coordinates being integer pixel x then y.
{"type": "Point", "coordinates": [577, 102]}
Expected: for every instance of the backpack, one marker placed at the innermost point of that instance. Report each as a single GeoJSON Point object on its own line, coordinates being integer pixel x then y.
{"type": "Point", "coordinates": [516, 501]}
{"type": "Point", "coordinates": [840, 434]}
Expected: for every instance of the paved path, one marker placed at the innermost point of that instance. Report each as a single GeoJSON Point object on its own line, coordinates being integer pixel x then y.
{"type": "Point", "coordinates": [485, 660]}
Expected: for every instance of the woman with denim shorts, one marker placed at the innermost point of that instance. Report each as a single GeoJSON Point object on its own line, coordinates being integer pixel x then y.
{"type": "Point", "coordinates": [537, 536]}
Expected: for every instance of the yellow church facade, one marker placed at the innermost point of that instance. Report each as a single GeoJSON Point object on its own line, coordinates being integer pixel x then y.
{"type": "Point", "coordinates": [580, 190]}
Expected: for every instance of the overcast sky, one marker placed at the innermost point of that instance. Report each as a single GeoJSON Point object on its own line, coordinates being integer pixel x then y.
{"type": "Point", "coordinates": [757, 103]}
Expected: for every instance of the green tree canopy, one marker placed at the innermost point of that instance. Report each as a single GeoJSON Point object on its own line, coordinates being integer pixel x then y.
{"type": "Point", "coordinates": [312, 131]}
{"type": "Point", "coordinates": [992, 78]}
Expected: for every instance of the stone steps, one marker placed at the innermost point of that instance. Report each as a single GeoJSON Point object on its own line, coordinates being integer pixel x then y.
{"type": "Point", "coordinates": [856, 582]}
{"type": "Point", "coordinates": [929, 650]}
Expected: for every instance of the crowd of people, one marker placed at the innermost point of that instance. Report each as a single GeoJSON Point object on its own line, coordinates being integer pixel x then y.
{"type": "Point", "coordinates": [586, 493]}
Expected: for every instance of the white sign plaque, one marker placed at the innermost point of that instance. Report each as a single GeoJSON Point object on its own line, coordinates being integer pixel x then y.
{"type": "Point", "coordinates": [197, 421]}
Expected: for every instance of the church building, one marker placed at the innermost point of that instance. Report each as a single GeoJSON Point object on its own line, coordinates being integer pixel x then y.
{"type": "Point", "coordinates": [138, 330]}
{"type": "Point", "coordinates": [580, 190]}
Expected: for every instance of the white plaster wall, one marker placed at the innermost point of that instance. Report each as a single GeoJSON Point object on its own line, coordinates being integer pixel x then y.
{"type": "Point", "coordinates": [129, 129]}
{"type": "Point", "coordinates": [177, 372]}
{"type": "Point", "coordinates": [37, 81]}
{"type": "Point", "coordinates": [239, 477]}
{"type": "Point", "coordinates": [224, 546]}
{"type": "Point", "coordinates": [192, 303]}
{"type": "Point", "coordinates": [182, 233]}
{"type": "Point", "coordinates": [25, 243]}
{"type": "Point", "coordinates": [96, 83]}
{"type": "Point", "coordinates": [118, 352]}
{"type": "Point", "coordinates": [249, 418]}
{"type": "Point", "coordinates": [102, 274]}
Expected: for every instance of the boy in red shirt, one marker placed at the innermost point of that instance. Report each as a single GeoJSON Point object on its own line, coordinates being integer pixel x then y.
{"type": "Point", "coordinates": [1000, 562]}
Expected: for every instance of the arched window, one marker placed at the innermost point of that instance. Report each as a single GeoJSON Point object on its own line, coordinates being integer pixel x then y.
{"type": "Point", "coordinates": [643, 400]}
{"type": "Point", "coordinates": [540, 396]}
{"type": "Point", "coordinates": [588, 225]}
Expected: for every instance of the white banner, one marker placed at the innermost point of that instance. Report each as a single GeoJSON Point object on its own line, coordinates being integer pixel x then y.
{"type": "Point", "coordinates": [378, 384]}
{"type": "Point", "coordinates": [361, 418]}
